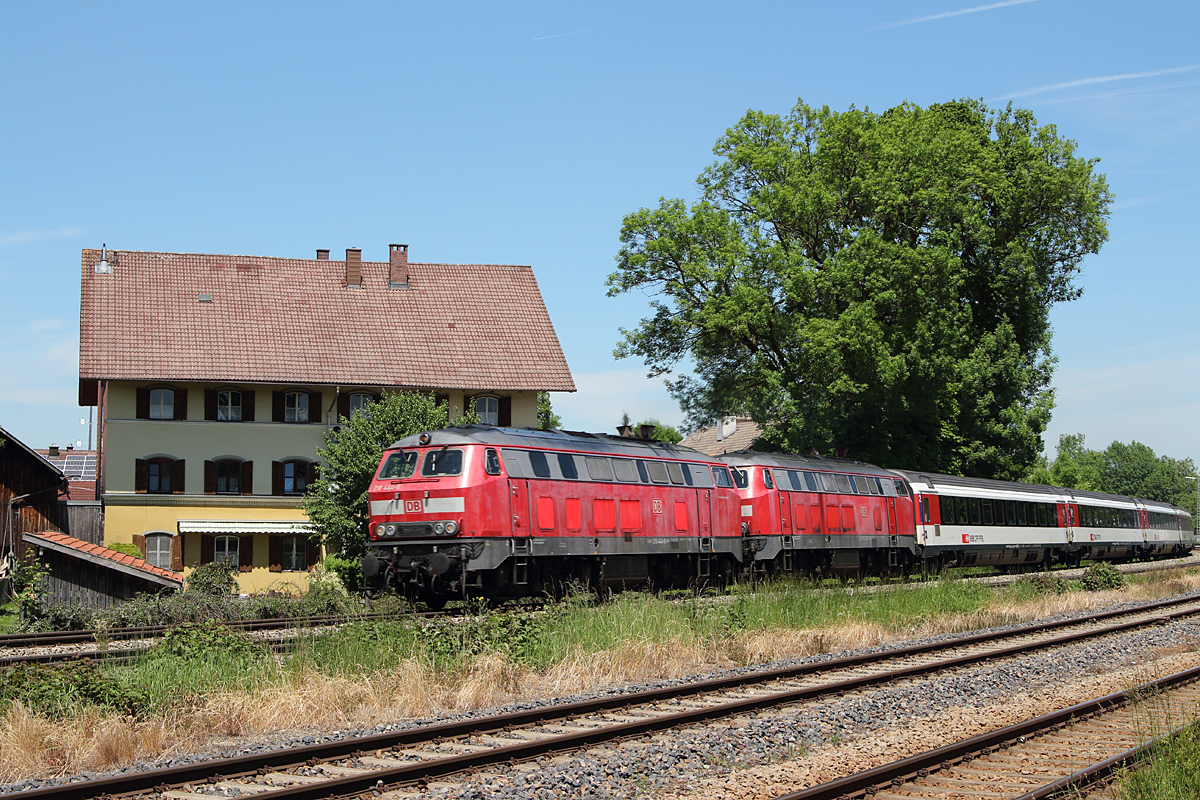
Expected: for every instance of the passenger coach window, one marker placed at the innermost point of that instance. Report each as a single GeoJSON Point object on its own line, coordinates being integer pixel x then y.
{"type": "Point", "coordinates": [598, 468]}
{"type": "Point", "coordinates": [721, 476]}
{"type": "Point", "coordinates": [541, 468]}
{"type": "Point", "coordinates": [491, 462]}
{"type": "Point", "coordinates": [398, 465]}
{"type": "Point", "coordinates": [442, 462]}
{"type": "Point", "coordinates": [566, 464]}
{"type": "Point", "coordinates": [1043, 517]}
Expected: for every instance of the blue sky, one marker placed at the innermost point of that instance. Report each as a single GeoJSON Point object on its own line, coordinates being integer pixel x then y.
{"type": "Point", "coordinates": [502, 133]}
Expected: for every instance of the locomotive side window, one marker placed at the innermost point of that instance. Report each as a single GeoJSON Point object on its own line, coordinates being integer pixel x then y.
{"type": "Point", "coordinates": [658, 471]}
{"type": "Point", "coordinates": [767, 481]}
{"type": "Point", "coordinates": [843, 483]}
{"type": "Point", "coordinates": [491, 462]}
{"type": "Point", "coordinates": [598, 468]}
{"type": "Point", "coordinates": [740, 478]}
{"type": "Point", "coordinates": [721, 477]}
{"type": "Point", "coordinates": [901, 487]}
{"type": "Point", "coordinates": [566, 465]}
{"type": "Point", "coordinates": [811, 480]}
{"type": "Point", "coordinates": [398, 465]}
{"type": "Point", "coordinates": [541, 467]}
{"type": "Point", "coordinates": [641, 466]}
{"type": "Point", "coordinates": [827, 482]}
{"type": "Point", "coordinates": [512, 463]}
{"type": "Point", "coordinates": [626, 470]}
{"type": "Point", "coordinates": [687, 474]}
{"type": "Point", "coordinates": [442, 462]}
{"type": "Point", "coordinates": [675, 471]}
{"type": "Point", "coordinates": [854, 485]}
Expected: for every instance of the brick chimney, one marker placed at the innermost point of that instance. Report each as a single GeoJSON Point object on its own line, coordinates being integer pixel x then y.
{"type": "Point", "coordinates": [354, 266]}
{"type": "Point", "coordinates": [322, 255]}
{"type": "Point", "coordinates": [398, 269]}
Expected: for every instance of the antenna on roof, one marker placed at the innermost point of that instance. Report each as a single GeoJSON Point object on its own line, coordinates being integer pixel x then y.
{"type": "Point", "coordinates": [104, 266]}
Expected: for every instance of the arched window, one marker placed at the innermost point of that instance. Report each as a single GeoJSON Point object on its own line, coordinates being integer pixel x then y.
{"type": "Point", "coordinates": [488, 409]}
{"type": "Point", "coordinates": [292, 477]}
{"type": "Point", "coordinates": [359, 401]}
{"type": "Point", "coordinates": [162, 404]}
{"type": "Point", "coordinates": [159, 476]}
{"type": "Point", "coordinates": [158, 549]}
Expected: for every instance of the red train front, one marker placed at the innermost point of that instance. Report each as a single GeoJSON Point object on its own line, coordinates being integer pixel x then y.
{"type": "Point", "coordinates": [499, 512]}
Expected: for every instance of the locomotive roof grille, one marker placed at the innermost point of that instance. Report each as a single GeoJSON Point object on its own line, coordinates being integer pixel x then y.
{"type": "Point", "coordinates": [553, 440]}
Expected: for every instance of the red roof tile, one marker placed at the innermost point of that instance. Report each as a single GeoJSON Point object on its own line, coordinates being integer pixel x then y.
{"type": "Point", "coordinates": [743, 437]}
{"type": "Point", "coordinates": [124, 559]}
{"type": "Point", "coordinates": [291, 320]}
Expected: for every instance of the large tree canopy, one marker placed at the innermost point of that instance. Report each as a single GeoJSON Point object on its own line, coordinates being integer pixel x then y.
{"type": "Point", "coordinates": [880, 282]}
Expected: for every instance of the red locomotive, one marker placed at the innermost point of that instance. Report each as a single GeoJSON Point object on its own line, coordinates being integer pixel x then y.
{"type": "Point", "coordinates": [501, 512]}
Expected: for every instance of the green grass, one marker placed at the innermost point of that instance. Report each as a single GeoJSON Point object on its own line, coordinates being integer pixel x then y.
{"type": "Point", "coordinates": [1172, 772]}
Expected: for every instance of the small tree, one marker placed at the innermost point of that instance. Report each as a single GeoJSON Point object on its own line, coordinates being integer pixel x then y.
{"type": "Point", "coordinates": [663, 433]}
{"type": "Point", "coordinates": [336, 503]}
{"type": "Point", "coordinates": [547, 419]}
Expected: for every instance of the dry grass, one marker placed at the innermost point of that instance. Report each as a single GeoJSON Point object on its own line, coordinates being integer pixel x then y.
{"type": "Point", "coordinates": [32, 746]}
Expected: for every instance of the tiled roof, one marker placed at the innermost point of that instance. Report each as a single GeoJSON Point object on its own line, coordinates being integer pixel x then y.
{"type": "Point", "coordinates": [291, 320]}
{"type": "Point", "coordinates": [96, 551]}
{"type": "Point", "coordinates": [705, 439]}
{"type": "Point", "coordinates": [80, 468]}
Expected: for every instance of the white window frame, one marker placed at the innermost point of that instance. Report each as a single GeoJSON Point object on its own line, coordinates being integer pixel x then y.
{"type": "Point", "coordinates": [295, 407]}
{"type": "Point", "coordinates": [295, 553]}
{"type": "Point", "coordinates": [359, 401]}
{"type": "Point", "coordinates": [162, 404]}
{"type": "Point", "coordinates": [156, 555]}
{"type": "Point", "coordinates": [490, 413]}
{"type": "Point", "coordinates": [227, 410]}
{"type": "Point", "coordinates": [222, 550]}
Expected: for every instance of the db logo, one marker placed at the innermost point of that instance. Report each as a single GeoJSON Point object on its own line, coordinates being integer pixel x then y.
{"type": "Point", "coordinates": [412, 506]}
{"type": "Point", "coordinates": [656, 506]}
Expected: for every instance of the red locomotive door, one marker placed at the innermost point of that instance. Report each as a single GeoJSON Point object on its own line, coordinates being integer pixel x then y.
{"type": "Point", "coordinates": [518, 491]}
{"type": "Point", "coordinates": [785, 519]}
{"type": "Point", "coordinates": [891, 501]}
{"type": "Point", "coordinates": [704, 507]}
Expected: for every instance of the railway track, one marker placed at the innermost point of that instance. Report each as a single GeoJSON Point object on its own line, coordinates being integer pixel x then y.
{"type": "Point", "coordinates": [387, 763]}
{"type": "Point", "coordinates": [1061, 754]}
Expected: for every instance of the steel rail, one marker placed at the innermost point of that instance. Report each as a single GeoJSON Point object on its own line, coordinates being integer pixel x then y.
{"type": "Point", "coordinates": [888, 775]}
{"type": "Point", "coordinates": [240, 766]}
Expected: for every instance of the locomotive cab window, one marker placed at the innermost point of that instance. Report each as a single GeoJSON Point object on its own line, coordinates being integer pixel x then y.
{"type": "Point", "coordinates": [740, 478]}
{"type": "Point", "coordinates": [399, 465]}
{"type": "Point", "coordinates": [491, 462]}
{"type": "Point", "coordinates": [442, 463]}
{"type": "Point", "coordinates": [767, 480]}
{"type": "Point", "coordinates": [721, 476]}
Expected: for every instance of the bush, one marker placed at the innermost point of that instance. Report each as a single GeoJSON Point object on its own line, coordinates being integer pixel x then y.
{"type": "Point", "coordinates": [61, 617]}
{"type": "Point", "coordinates": [206, 641]}
{"type": "Point", "coordinates": [126, 548]}
{"type": "Point", "coordinates": [1101, 576]}
{"type": "Point", "coordinates": [56, 690]}
{"type": "Point", "coordinates": [215, 577]}
{"type": "Point", "coordinates": [1045, 583]}
{"type": "Point", "coordinates": [348, 570]}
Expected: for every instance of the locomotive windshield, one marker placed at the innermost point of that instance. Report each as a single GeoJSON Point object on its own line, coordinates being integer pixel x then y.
{"type": "Point", "coordinates": [442, 462]}
{"type": "Point", "coordinates": [399, 465]}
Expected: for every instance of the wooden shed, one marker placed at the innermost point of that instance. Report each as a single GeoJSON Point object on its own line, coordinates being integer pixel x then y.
{"type": "Point", "coordinates": [82, 572]}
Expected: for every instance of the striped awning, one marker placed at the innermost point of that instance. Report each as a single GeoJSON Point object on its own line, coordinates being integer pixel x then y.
{"type": "Point", "coordinates": [243, 526]}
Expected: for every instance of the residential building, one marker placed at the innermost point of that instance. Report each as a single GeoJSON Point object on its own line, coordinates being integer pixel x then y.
{"type": "Point", "coordinates": [729, 435]}
{"type": "Point", "coordinates": [216, 378]}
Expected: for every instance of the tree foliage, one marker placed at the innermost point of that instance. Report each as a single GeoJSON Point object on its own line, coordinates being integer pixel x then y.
{"type": "Point", "coordinates": [547, 419]}
{"type": "Point", "coordinates": [662, 433]}
{"type": "Point", "coordinates": [880, 282]}
{"type": "Point", "coordinates": [1129, 469]}
{"type": "Point", "coordinates": [336, 503]}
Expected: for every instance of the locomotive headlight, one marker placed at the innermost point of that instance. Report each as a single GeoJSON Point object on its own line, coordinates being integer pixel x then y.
{"type": "Point", "coordinates": [451, 527]}
{"type": "Point", "coordinates": [439, 528]}
{"type": "Point", "coordinates": [380, 530]}
{"type": "Point", "coordinates": [391, 530]}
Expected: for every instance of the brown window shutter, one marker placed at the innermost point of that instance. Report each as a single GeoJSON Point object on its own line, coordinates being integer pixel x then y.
{"type": "Point", "coordinates": [504, 412]}
{"type": "Point", "coordinates": [210, 477]}
{"type": "Point", "coordinates": [180, 407]}
{"type": "Point", "coordinates": [344, 405]}
{"type": "Point", "coordinates": [247, 482]}
{"type": "Point", "coordinates": [210, 404]}
{"type": "Point", "coordinates": [208, 546]}
{"type": "Point", "coordinates": [177, 553]}
{"type": "Point", "coordinates": [277, 406]}
{"type": "Point", "coordinates": [275, 553]}
{"type": "Point", "coordinates": [315, 409]}
{"type": "Point", "coordinates": [177, 476]}
{"type": "Point", "coordinates": [143, 404]}
{"type": "Point", "coordinates": [141, 475]}
{"type": "Point", "coordinates": [313, 553]}
{"type": "Point", "coordinates": [248, 406]}
{"type": "Point", "coordinates": [277, 478]}
{"type": "Point", "coordinates": [139, 542]}
{"type": "Point", "coordinates": [313, 472]}
{"type": "Point", "coordinates": [246, 553]}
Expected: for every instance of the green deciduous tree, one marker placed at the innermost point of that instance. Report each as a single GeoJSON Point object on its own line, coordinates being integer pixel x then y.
{"type": "Point", "coordinates": [1130, 469]}
{"type": "Point", "coordinates": [336, 503]}
{"type": "Point", "coordinates": [547, 419]}
{"type": "Point", "coordinates": [662, 433]}
{"type": "Point", "coordinates": [880, 282]}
